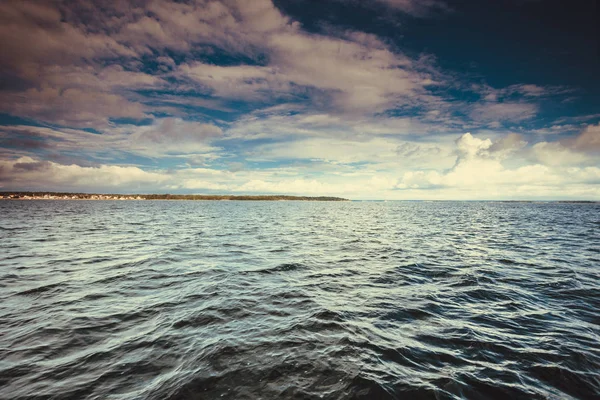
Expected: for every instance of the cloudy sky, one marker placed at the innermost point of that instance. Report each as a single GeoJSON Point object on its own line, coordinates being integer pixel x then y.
{"type": "Point", "coordinates": [364, 99]}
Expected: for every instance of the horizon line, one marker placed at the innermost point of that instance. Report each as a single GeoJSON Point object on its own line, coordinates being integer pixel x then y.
{"type": "Point", "coordinates": [278, 195]}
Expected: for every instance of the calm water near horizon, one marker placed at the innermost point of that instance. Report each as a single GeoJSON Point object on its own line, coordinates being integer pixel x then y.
{"type": "Point", "coordinates": [323, 300]}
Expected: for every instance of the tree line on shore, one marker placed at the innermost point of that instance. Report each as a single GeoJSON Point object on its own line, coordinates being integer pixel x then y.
{"type": "Point", "coordinates": [93, 196]}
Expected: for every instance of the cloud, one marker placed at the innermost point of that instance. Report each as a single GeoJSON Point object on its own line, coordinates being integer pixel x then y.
{"type": "Point", "coordinates": [35, 34]}
{"type": "Point", "coordinates": [556, 154]}
{"type": "Point", "coordinates": [480, 174]}
{"type": "Point", "coordinates": [173, 136]}
{"type": "Point", "coordinates": [28, 173]}
{"type": "Point", "coordinates": [358, 77]}
{"type": "Point", "coordinates": [508, 144]}
{"type": "Point", "coordinates": [518, 91]}
{"type": "Point", "coordinates": [589, 139]}
{"type": "Point", "coordinates": [27, 165]}
{"type": "Point", "coordinates": [326, 110]}
{"type": "Point", "coordinates": [301, 122]}
{"type": "Point", "coordinates": [167, 137]}
{"type": "Point", "coordinates": [245, 82]}
{"type": "Point", "coordinates": [73, 107]}
{"type": "Point", "coordinates": [471, 147]}
{"type": "Point", "coordinates": [509, 112]}
{"type": "Point", "coordinates": [416, 7]}
{"type": "Point", "coordinates": [317, 187]}
{"type": "Point", "coordinates": [356, 72]}
{"type": "Point", "coordinates": [556, 129]}
{"type": "Point", "coordinates": [272, 59]}
{"type": "Point", "coordinates": [81, 96]}
{"type": "Point", "coordinates": [71, 65]}
{"type": "Point", "coordinates": [164, 137]}
{"type": "Point", "coordinates": [578, 150]}
{"type": "Point", "coordinates": [344, 151]}
{"type": "Point", "coordinates": [79, 64]}
{"type": "Point", "coordinates": [528, 90]}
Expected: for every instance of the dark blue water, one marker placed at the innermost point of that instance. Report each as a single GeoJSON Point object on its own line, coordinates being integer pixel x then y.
{"type": "Point", "coordinates": [264, 300]}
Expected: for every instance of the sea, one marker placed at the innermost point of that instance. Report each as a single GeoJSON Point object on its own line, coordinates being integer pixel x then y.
{"type": "Point", "coordinates": [299, 300]}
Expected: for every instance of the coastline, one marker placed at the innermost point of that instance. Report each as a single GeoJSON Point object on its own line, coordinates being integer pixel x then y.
{"type": "Point", "coordinates": [140, 197]}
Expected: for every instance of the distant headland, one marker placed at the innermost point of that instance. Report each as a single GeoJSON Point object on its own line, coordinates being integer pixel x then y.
{"type": "Point", "coordinates": [96, 196]}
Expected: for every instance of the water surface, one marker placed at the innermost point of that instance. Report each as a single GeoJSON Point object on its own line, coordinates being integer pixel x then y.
{"type": "Point", "coordinates": [263, 300]}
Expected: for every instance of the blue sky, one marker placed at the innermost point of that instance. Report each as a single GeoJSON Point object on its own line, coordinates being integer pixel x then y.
{"type": "Point", "coordinates": [381, 99]}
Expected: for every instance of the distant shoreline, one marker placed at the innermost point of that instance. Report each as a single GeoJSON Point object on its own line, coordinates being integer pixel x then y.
{"type": "Point", "coordinates": [207, 197]}
{"type": "Point", "coordinates": [98, 196]}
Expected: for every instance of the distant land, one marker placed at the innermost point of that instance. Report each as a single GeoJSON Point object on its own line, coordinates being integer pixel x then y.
{"type": "Point", "coordinates": [97, 196]}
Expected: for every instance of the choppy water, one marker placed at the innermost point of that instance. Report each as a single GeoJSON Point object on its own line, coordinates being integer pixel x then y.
{"type": "Point", "coordinates": [263, 300]}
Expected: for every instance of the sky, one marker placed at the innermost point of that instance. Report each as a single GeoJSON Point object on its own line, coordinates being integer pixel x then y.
{"type": "Point", "coordinates": [362, 99]}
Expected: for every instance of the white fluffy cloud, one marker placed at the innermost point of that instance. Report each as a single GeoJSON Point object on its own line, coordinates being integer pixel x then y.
{"type": "Point", "coordinates": [29, 173]}
{"type": "Point", "coordinates": [480, 173]}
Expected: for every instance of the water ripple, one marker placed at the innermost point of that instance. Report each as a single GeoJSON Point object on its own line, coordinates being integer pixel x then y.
{"type": "Point", "coordinates": [248, 300]}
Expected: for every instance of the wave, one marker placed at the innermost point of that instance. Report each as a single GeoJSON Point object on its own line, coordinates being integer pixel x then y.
{"type": "Point", "coordinates": [313, 301]}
